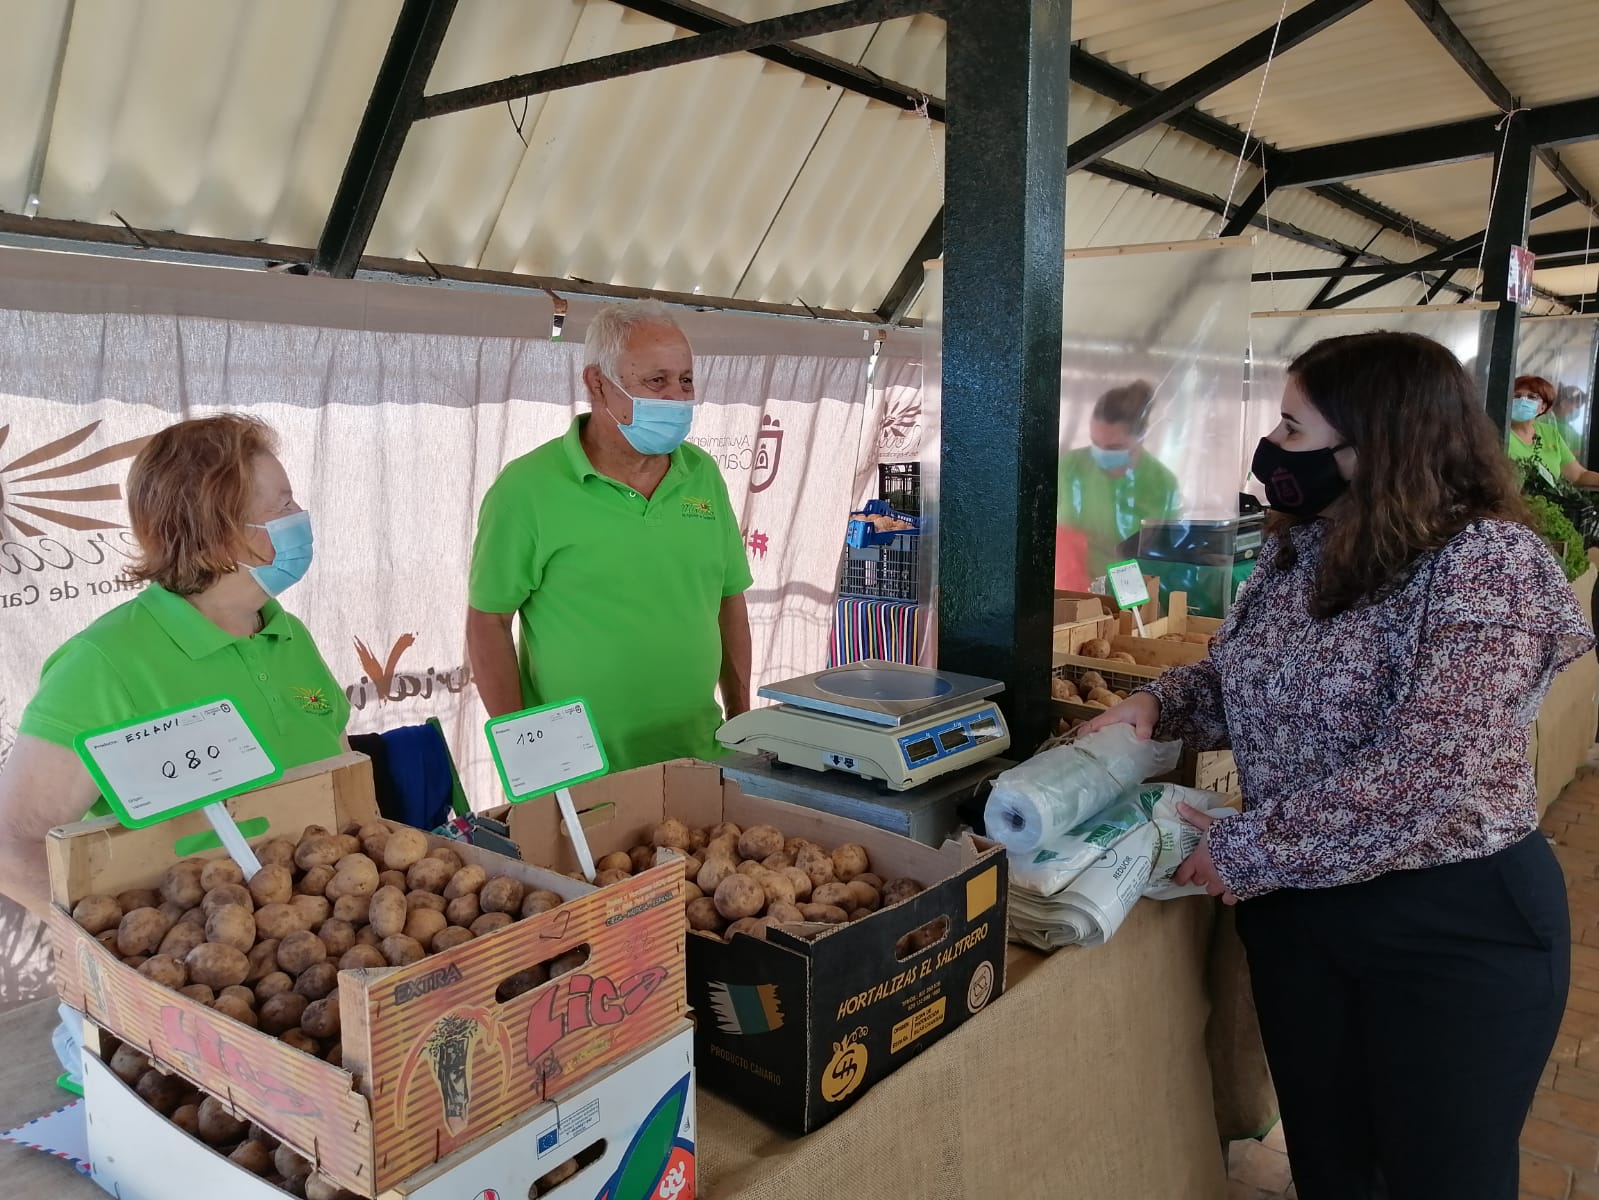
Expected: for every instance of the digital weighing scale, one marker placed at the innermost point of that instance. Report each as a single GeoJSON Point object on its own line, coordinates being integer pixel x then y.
{"type": "Point", "coordinates": [879, 720]}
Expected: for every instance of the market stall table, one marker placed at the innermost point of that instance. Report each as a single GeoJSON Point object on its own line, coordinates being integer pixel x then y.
{"type": "Point", "coordinates": [1088, 1078]}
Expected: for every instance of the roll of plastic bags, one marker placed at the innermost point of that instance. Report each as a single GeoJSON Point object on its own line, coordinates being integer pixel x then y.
{"type": "Point", "coordinates": [1040, 800]}
{"type": "Point", "coordinates": [1052, 867]}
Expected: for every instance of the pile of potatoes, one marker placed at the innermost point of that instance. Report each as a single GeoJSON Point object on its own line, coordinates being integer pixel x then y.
{"type": "Point", "coordinates": [268, 953]}
{"type": "Point", "coordinates": [1100, 648]}
{"type": "Point", "coordinates": [747, 880]}
{"type": "Point", "coordinates": [1088, 688]}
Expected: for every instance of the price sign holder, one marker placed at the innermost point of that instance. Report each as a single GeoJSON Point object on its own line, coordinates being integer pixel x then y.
{"type": "Point", "coordinates": [179, 760]}
{"type": "Point", "coordinates": [549, 749]}
{"type": "Point", "coordinates": [1128, 589]}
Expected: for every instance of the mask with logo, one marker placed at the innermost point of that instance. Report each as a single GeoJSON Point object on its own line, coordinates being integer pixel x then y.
{"type": "Point", "coordinates": [1300, 483]}
{"type": "Point", "coordinates": [291, 553]}
{"type": "Point", "coordinates": [1524, 408]}
{"type": "Point", "coordinates": [1111, 460]}
{"type": "Point", "coordinates": [658, 426]}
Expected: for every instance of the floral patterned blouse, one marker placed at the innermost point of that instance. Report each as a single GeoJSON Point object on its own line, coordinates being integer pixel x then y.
{"type": "Point", "coordinates": [1388, 737]}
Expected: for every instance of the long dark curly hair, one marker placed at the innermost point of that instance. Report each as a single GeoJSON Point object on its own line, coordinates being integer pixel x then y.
{"type": "Point", "coordinates": [1429, 462]}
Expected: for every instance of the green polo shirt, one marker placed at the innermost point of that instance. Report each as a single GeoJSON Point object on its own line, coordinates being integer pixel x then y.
{"type": "Point", "coordinates": [617, 595]}
{"type": "Point", "coordinates": [1108, 509]}
{"type": "Point", "coordinates": [158, 652]}
{"type": "Point", "coordinates": [1548, 453]}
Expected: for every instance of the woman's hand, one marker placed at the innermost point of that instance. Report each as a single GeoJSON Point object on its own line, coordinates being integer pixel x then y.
{"type": "Point", "coordinates": [1198, 867]}
{"type": "Point", "coordinates": [1141, 711]}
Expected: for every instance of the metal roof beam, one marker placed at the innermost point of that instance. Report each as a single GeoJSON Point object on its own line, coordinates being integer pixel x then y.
{"type": "Point", "coordinates": [697, 18]}
{"type": "Point", "coordinates": [1563, 243]}
{"type": "Point", "coordinates": [1245, 212]}
{"type": "Point", "coordinates": [1459, 47]}
{"type": "Point", "coordinates": [1570, 121]}
{"type": "Point", "coordinates": [1225, 69]}
{"type": "Point", "coordinates": [908, 285]}
{"type": "Point", "coordinates": [1338, 162]}
{"type": "Point", "coordinates": [390, 111]}
{"type": "Point", "coordinates": [728, 39]}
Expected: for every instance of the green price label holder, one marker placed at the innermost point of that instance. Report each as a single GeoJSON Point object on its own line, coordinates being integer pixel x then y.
{"type": "Point", "coordinates": [550, 748]}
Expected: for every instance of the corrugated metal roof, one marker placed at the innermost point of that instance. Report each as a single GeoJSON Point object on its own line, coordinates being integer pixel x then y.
{"type": "Point", "coordinates": [1542, 50]}
{"type": "Point", "coordinates": [1454, 198]}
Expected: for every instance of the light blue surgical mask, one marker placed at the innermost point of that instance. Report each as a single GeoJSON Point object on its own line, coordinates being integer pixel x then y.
{"type": "Point", "coordinates": [1111, 460]}
{"type": "Point", "coordinates": [658, 426]}
{"type": "Point", "coordinates": [291, 553]}
{"type": "Point", "coordinates": [1524, 408]}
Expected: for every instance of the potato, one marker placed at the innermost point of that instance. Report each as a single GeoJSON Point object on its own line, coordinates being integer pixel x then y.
{"type": "Point", "coordinates": [617, 860]}
{"type": "Point", "coordinates": [354, 909]}
{"type": "Point", "coordinates": [834, 893]}
{"type": "Point", "coordinates": [228, 895]}
{"type": "Point", "coordinates": [401, 951]}
{"type": "Point", "coordinates": [449, 938]}
{"type": "Point", "coordinates": [739, 896]}
{"type": "Point", "coordinates": [320, 979]}
{"type": "Point", "coordinates": [311, 831]}
{"type": "Point", "coordinates": [373, 838]}
{"type": "Point", "coordinates": [138, 898]}
{"type": "Point", "coordinates": [865, 895]}
{"type": "Point", "coordinates": [237, 991]}
{"type": "Point", "coordinates": [301, 950]}
{"type": "Point", "coordinates": [180, 883]}
{"type": "Point", "coordinates": [698, 838]}
{"type": "Point", "coordinates": [489, 922]}
{"type": "Point", "coordinates": [321, 1018]}
{"type": "Point", "coordinates": [171, 911]}
{"type": "Point", "coordinates": [1103, 696]}
{"type": "Point", "coordinates": [1090, 681]}
{"type": "Point", "coordinates": [199, 993]}
{"type": "Point", "coordinates": [534, 903]}
{"type": "Point", "coordinates": [301, 1041]}
{"type": "Point", "coordinates": [276, 921]}
{"type": "Point", "coordinates": [404, 847]}
{"type": "Point", "coordinates": [429, 875]}
{"type": "Point", "coordinates": [469, 878]}
{"type": "Point", "coordinates": [692, 865]}
{"type": "Point", "coordinates": [218, 1126]}
{"type": "Point", "coordinates": [314, 882]}
{"type": "Point", "coordinates": [897, 890]}
{"type": "Point", "coordinates": [463, 910]}
{"type": "Point", "coordinates": [758, 841]}
{"type": "Point", "coordinates": [754, 926]}
{"type": "Point", "coordinates": [195, 916]}
{"type": "Point", "coordinates": [799, 881]}
{"type": "Point", "coordinates": [356, 875]}
{"type": "Point", "coordinates": [108, 939]}
{"type": "Point", "coordinates": [725, 846]}
{"type": "Point", "coordinates": [127, 1064]}
{"type": "Point", "coordinates": [446, 854]}
{"type": "Point", "coordinates": [776, 862]}
{"type": "Point", "coordinates": [388, 912]}
{"type": "Point", "coordinates": [849, 861]}
{"type": "Point", "coordinates": [691, 892]}
{"type": "Point", "coordinates": [549, 1181]}
{"type": "Point", "coordinates": [230, 925]}
{"type": "Point", "coordinates": [161, 1092]}
{"type": "Point", "coordinates": [255, 1157]}
{"type": "Point", "coordinates": [782, 913]}
{"type": "Point", "coordinates": [263, 959]}
{"type": "Point", "coordinates": [777, 886]}
{"type": "Point", "coordinates": [361, 957]}
{"type": "Point", "coordinates": [279, 852]}
{"type": "Point", "coordinates": [1120, 656]}
{"type": "Point", "coordinates": [187, 1118]}
{"type": "Point", "coordinates": [315, 909]}
{"type": "Point", "coordinates": [318, 1187]}
{"type": "Point", "coordinates": [140, 931]}
{"type": "Point", "coordinates": [232, 1006]}
{"type": "Point", "coordinates": [165, 970]}
{"type": "Point", "coordinates": [751, 867]}
{"type": "Point", "coordinates": [282, 1012]}
{"type": "Point", "coordinates": [826, 914]}
{"type": "Point", "coordinates": [135, 962]}
{"type": "Point", "coordinates": [271, 885]}
{"type": "Point", "coordinates": [288, 1162]}
{"type": "Point", "coordinates": [97, 913]}
{"type": "Point", "coordinates": [607, 879]}
{"type": "Point", "coordinates": [337, 936]}
{"type": "Point", "coordinates": [180, 939]}
{"type": "Point", "coordinates": [713, 872]}
{"type": "Point", "coordinates": [367, 936]}
{"type": "Point", "coordinates": [565, 963]}
{"type": "Point", "coordinates": [703, 915]}
{"type": "Point", "coordinates": [216, 872]}
{"type": "Point", "coordinates": [318, 850]}
{"type": "Point", "coordinates": [274, 984]}
{"type": "Point", "coordinates": [423, 925]}
{"type": "Point", "coordinates": [673, 834]}
{"type": "Point", "coordinates": [726, 829]}
{"type": "Point", "coordinates": [642, 858]}
{"type": "Point", "coordinates": [393, 879]}
{"type": "Point", "coordinates": [816, 863]}
{"type": "Point", "coordinates": [502, 894]}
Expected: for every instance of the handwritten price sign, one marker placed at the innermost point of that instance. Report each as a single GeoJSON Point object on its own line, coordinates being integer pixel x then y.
{"type": "Point", "coordinates": [545, 749]}
{"type": "Point", "coordinates": [160, 766]}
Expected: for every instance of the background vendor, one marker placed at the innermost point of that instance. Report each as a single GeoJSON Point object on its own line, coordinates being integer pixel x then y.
{"type": "Point", "coordinates": [219, 536]}
{"type": "Point", "coordinates": [616, 552]}
{"type": "Point", "coordinates": [1109, 488]}
{"type": "Point", "coordinates": [1541, 445]}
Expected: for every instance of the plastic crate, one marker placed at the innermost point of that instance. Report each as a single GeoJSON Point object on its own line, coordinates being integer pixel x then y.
{"type": "Point", "coordinates": [861, 534]}
{"type": "Point", "coordinates": [887, 572]}
{"type": "Point", "coordinates": [900, 486]}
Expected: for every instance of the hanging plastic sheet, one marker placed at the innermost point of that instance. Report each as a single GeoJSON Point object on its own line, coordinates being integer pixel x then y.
{"type": "Point", "coordinates": [1561, 350]}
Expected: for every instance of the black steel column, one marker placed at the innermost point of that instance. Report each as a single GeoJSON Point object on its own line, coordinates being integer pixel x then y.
{"type": "Point", "coordinates": [1507, 227]}
{"type": "Point", "coordinates": [1004, 264]}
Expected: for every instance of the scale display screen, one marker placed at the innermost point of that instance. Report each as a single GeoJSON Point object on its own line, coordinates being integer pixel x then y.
{"type": "Point", "coordinates": [953, 739]}
{"type": "Point", "coordinates": [950, 738]}
{"type": "Point", "coordinates": [921, 751]}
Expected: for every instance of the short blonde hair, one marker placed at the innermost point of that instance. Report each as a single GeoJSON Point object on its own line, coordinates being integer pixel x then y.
{"type": "Point", "coordinates": [189, 496]}
{"type": "Point", "coordinates": [608, 333]}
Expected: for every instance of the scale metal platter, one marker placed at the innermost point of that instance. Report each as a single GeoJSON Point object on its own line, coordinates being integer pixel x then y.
{"type": "Point", "coordinates": [899, 724]}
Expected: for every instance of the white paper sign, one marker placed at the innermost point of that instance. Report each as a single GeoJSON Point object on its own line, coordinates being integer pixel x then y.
{"type": "Point", "coordinates": [1127, 584]}
{"type": "Point", "coordinates": [544, 749]}
{"type": "Point", "coordinates": [161, 766]}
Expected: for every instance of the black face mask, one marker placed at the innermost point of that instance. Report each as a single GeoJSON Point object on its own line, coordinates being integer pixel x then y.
{"type": "Point", "coordinates": [1300, 483]}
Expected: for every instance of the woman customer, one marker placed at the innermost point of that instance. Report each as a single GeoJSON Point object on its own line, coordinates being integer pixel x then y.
{"type": "Point", "coordinates": [1538, 444]}
{"type": "Point", "coordinates": [220, 535]}
{"type": "Point", "coordinates": [1405, 923]}
{"type": "Point", "coordinates": [1109, 488]}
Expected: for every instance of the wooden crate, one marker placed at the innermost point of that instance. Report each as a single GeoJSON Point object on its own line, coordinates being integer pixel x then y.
{"type": "Point", "coordinates": [1178, 621]}
{"type": "Point", "coordinates": [432, 1060]}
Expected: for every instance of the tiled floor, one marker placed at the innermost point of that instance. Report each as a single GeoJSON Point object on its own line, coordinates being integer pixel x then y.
{"type": "Point", "coordinates": [1560, 1145]}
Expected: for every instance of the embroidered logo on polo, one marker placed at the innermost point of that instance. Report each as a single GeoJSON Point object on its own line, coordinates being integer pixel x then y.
{"type": "Point", "coordinates": [313, 700]}
{"type": "Point", "coordinates": [693, 506]}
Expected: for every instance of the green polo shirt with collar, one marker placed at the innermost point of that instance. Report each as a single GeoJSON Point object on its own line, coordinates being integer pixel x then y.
{"type": "Point", "coordinates": [158, 652]}
{"type": "Point", "coordinates": [617, 595]}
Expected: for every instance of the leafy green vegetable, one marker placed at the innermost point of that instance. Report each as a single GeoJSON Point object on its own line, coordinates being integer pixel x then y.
{"type": "Point", "coordinates": [1561, 534]}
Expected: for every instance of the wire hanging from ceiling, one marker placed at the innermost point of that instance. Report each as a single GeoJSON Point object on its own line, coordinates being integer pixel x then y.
{"type": "Point", "coordinates": [1249, 130]}
{"type": "Point", "coordinates": [1493, 194]}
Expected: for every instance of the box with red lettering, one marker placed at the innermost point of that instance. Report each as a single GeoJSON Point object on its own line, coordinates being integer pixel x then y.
{"type": "Point", "coordinates": [431, 1059]}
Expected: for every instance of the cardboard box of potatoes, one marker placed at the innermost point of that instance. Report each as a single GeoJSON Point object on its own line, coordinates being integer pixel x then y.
{"type": "Point", "coordinates": [376, 998]}
{"type": "Point", "coordinates": [822, 953]}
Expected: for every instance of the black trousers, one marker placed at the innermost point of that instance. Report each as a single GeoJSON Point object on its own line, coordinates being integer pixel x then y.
{"type": "Point", "coordinates": [1407, 1021]}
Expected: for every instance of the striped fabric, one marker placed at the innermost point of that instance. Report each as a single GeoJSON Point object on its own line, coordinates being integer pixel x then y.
{"type": "Point", "coordinates": [884, 629]}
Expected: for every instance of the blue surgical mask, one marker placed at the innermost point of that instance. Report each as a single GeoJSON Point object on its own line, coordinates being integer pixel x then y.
{"type": "Point", "coordinates": [1111, 460]}
{"type": "Point", "coordinates": [291, 553]}
{"type": "Point", "coordinates": [1524, 408]}
{"type": "Point", "coordinates": [658, 426]}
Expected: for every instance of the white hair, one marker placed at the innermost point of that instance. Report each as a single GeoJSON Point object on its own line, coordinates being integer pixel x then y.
{"type": "Point", "coordinates": [611, 328]}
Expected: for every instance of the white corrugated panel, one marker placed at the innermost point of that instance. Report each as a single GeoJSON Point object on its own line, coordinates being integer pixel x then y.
{"type": "Point", "coordinates": [1453, 199]}
{"type": "Point", "coordinates": [1569, 281]}
{"type": "Point", "coordinates": [27, 63]}
{"type": "Point", "coordinates": [1542, 50]}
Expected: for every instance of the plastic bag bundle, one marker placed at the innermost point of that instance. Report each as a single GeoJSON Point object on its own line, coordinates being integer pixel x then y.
{"type": "Point", "coordinates": [1042, 799]}
{"type": "Point", "coordinates": [1093, 906]}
